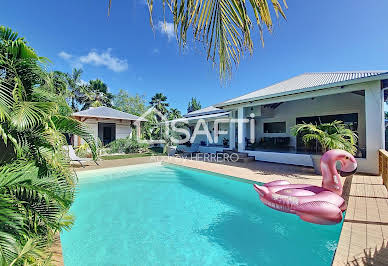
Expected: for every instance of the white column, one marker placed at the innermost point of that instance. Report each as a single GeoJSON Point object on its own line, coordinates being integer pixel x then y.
{"type": "Point", "coordinates": [207, 139]}
{"type": "Point", "coordinates": [240, 130]}
{"type": "Point", "coordinates": [232, 131]}
{"type": "Point", "coordinates": [374, 126]}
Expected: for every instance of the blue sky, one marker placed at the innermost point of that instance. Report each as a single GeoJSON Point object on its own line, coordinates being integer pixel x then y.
{"type": "Point", "coordinates": [125, 53]}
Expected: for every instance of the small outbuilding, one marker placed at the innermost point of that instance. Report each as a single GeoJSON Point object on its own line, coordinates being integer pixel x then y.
{"type": "Point", "coordinates": [107, 124]}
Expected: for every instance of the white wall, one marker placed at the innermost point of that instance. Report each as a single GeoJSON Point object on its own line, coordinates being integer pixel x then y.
{"type": "Point", "coordinates": [370, 110]}
{"type": "Point", "coordinates": [374, 111]}
{"type": "Point", "coordinates": [344, 103]}
{"type": "Point", "coordinates": [123, 128]}
{"type": "Point", "coordinates": [278, 157]}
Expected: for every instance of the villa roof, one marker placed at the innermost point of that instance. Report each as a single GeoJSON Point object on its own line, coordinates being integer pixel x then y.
{"type": "Point", "coordinates": [307, 82]}
{"type": "Point", "coordinates": [205, 111]}
{"type": "Point", "coordinates": [105, 112]}
{"type": "Point", "coordinates": [193, 118]}
{"type": "Point", "coordinates": [209, 112]}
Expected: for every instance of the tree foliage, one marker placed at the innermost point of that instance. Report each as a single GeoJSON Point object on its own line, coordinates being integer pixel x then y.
{"type": "Point", "coordinates": [174, 113]}
{"type": "Point", "coordinates": [135, 105]}
{"type": "Point", "coordinates": [96, 94]}
{"type": "Point", "coordinates": [36, 185]}
{"type": "Point", "coordinates": [193, 105]}
{"type": "Point", "coordinates": [159, 101]}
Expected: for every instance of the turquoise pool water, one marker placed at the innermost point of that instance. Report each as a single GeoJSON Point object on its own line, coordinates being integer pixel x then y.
{"type": "Point", "coordinates": [169, 215]}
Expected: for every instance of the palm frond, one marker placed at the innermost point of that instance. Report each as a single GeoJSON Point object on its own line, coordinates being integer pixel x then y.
{"type": "Point", "coordinates": [71, 126]}
{"type": "Point", "coordinates": [334, 135]}
{"type": "Point", "coordinates": [31, 114]}
{"type": "Point", "coordinates": [223, 26]}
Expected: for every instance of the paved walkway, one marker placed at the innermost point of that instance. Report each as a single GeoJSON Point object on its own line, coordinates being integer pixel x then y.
{"type": "Point", "coordinates": [365, 230]}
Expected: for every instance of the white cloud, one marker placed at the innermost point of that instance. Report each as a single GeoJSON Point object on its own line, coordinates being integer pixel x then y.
{"type": "Point", "coordinates": [65, 55]}
{"type": "Point", "coordinates": [97, 59]}
{"type": "Point", "coordinates": [104, 59]}
{"type": "Point", "coordinates": [166, 28]}
{"type": "Point", "coordinates": [155, 51]}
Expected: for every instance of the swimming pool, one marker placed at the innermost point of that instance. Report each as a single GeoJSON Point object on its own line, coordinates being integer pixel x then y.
{"type": "Point", "coordinates": [169, 215]}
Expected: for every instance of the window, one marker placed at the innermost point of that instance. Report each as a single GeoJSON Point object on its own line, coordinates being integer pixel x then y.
{"type": "Point", "coordinates": [351, 120]}
{"type": "Point", "coordinates": [275, 127]}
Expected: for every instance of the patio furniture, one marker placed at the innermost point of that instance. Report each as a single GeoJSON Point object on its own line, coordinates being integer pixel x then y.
{"type": "Point", "coordinates": [250, 145]}
{"type": "Point", "coordinates": [74, 157]}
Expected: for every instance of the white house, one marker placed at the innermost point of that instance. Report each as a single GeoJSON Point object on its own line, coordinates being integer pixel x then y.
{"type": "Point", "coordinates": [201, 142]}
{"type": "Point", "coordinates": [355, 97]}
{"type": "Point", "coordinates": [106, 123]}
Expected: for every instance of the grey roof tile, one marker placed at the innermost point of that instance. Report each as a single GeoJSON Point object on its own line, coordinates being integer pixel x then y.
{"type": "Point", "coordinates": [105, 112]}
{"type": "Point", "coordinates": [304, 81]}
{"type": "Point", "coordinates": [205, 111]}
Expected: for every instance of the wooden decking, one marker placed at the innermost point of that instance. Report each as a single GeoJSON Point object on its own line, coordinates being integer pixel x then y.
{"type": "Point", "coordinates": [365, 229]}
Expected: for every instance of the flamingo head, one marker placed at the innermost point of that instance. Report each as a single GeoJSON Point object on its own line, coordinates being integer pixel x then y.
{"type": "Point", "coordinates": [261, 190]}
{"type": "Point", "coordinates": [348, 162]}
{"type": "Point", "coordinates": [330, 174]}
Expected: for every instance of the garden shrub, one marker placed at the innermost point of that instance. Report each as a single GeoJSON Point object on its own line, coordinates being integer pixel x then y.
{"type": "Point", "coordinates": [127, 145]}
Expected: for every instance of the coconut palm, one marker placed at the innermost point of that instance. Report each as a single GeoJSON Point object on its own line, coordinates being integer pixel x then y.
{"type": "Point", "coordinates": [97, 94]}
{"type": "Point", "coordinates": [159, 101]}
{"type": "Point", "coordinates": [224, 26]}
{"type": "Point", "coordinates": [36, 186]}
{"type": "Point", "coordinates": [174, 114]}
{"type": "Point", "coordinates": [76, 91]}
{"type": "Point", "coordinates": [334, 135]}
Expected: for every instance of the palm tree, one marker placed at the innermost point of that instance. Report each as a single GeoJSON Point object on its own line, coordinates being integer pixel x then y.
{"type": "Point", "coordinates": [36, 186]}
{"type": "Point", "coordinates": [174, 114]}
{"type": "Point", "coordinates": [96, 94]}
{"type": "Point", "coordinates": [57, 82]}
{"type": "Point", "coordinates": [334, 135]}
{"type": "Point", "coordinates": [224, 26]}
{"type": "Point", "coordinates": [76, 94]}
{"type": "Point", "coordinates": [159, 102]}
{"type": "Point", "coordinates": [193, 105]}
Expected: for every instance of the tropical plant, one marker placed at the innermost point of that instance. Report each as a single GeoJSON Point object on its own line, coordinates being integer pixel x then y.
{"type": "Point", "coordinates": [170, 137]}
{"type": "Point", "coordinates": [36, 185]}
{"type": "Point", "coordinates": [33, 208]}
{"type": "Point", "coordinates": [135, 105]}
{"type": "Point", "coordinates": [96, 94]}
{"type": "Point", "coordinates": [334, 135]}
{"type": "Point", "coordinates": [152, 128]}
{"type": "Point", "coordinates": [174, 113]}
{"type": "Point", "coordinates": [159, 101]}
{"type": "Point", "coordinates": [57, 83]}
{"type": "Point", "coordinates": [223, 26]}
{"type": "Point", "coordinates": [127, 145]}
{"type": "Point", "coordinates": [193, 105]}
{"type": "Point", "coordinates": [76, 91]}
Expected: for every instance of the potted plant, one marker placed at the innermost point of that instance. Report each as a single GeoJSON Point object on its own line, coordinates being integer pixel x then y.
{"type": "Point", "coordinates": [334, 135]}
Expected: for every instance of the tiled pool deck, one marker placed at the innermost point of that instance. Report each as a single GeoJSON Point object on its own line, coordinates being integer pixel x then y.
{"type": "Point", "coordinates": [365, 229]}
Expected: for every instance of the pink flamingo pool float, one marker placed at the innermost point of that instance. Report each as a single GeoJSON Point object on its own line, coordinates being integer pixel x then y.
{"type": "Point", "coordinates": [319, 205]}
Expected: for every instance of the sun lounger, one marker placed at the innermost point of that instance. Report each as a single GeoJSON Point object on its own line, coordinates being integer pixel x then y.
{"type": "Point", "coordinates": [73, 157]}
